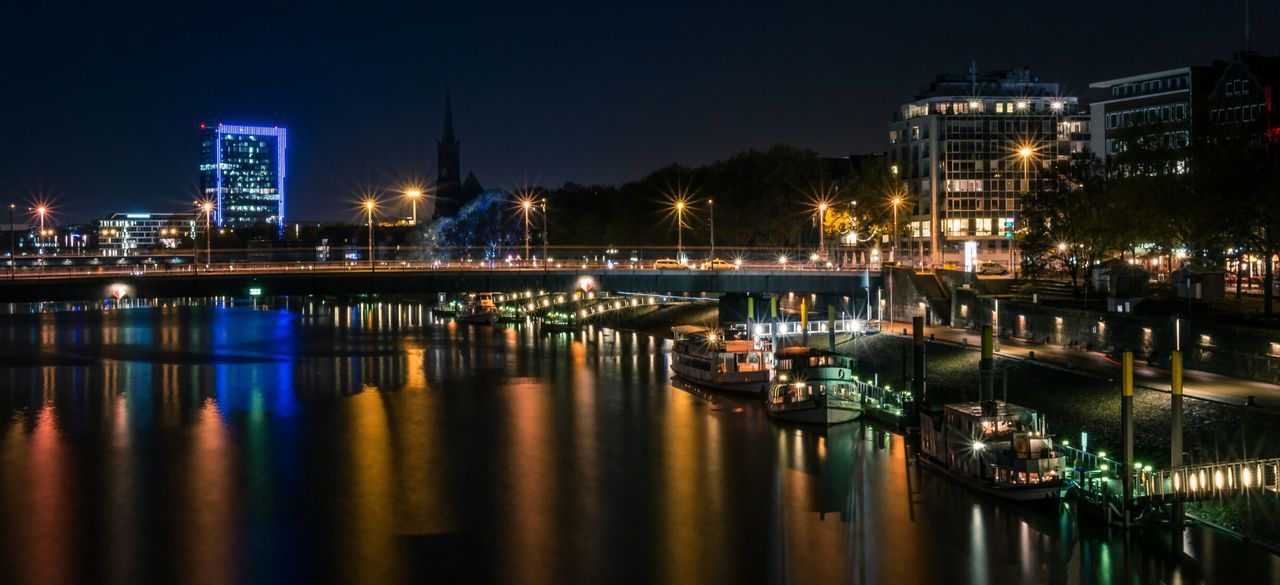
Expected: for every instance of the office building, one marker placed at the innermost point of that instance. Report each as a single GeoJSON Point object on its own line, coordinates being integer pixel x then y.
{"type": "Point", "coordinates": [124, 233]}
{"type": "Point", "coordinates": [1168, 112]}
{"type": "Point", "coordinates": [242, 169]}
{"type": "Point", "coordinates": [966, 149]}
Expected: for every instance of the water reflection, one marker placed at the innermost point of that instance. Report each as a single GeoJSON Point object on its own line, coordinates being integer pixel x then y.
{"type": "Point", "coordinates": [367, 442]}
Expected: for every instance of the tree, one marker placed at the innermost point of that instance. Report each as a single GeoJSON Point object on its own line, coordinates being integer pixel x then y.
{"type": "Point", "coordinates": [1240, 175]}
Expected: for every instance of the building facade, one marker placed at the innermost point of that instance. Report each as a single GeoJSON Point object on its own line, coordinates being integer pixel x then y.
{"type": "Point", "coordinates": [1162, 112]}
{"type": "Point", "coordinates": [124, 233]}
{"type": "Point", "coordinates": [966, 149]}
{"type": "Point", "coordinates": [242, 170]}
{"type": "Point", "coordinates": [1243, 101]}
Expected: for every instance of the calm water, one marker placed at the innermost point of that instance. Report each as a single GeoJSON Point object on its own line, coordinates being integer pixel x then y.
{"type": "Point", "coordinates": [367, 443]}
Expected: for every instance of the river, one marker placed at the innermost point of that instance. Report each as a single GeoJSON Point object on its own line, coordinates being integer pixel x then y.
{"type": "Point", "coordinates": [322, 441]}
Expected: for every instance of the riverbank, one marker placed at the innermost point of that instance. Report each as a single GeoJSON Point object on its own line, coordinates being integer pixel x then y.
{"type": "Point", "coordinates": [1075, 403]}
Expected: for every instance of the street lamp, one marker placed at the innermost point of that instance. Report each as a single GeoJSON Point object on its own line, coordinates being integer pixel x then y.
{"type": "Point", "coordinates": [13, 259]}
{"type": "Point", "coordinates": [822, 227]}
{"type": "Point", "coordinates": [712, 210]}
{"type": "Point", "coordinates": [1025, 152]}
{"type": "Point", "coordinates": [369, 205]}
{"type": "Point", "coordinates": [414, 195]}
{"type": "Point", "coordinates": [680, 205]}
{"type": "Point", "coordinates": [526, 205]}
{"type": "Point", "coordinates": [545, 258]}
{"type": "Point", "coordinates": [896, 202]}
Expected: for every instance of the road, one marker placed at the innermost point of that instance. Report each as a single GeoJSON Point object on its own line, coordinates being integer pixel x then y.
{"type": "Point", "coordinates": [1196, 383]}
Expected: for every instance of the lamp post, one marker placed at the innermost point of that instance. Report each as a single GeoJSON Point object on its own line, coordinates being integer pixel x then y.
{"type": "Point", "coordinates": [13, 259]}
{"type": "Point", "coordinates": [369, 204]}
{"type": "Point", "coordinates": [680, 231]}
{"type": "Point", "coordinates": [545, 222]}
{"type": "Point", "coordinates": [712, 210]}
{"type": "Point", "coordinates": [1025, 153]}
{"type": "Point", "coordinates": [822, 228]}
{"type": "Point", "coordinates": [897, 202]}
{"type": "Point", "coordinates": [413, 196]}
{"type": "Point", "coordinates": [526, 205]}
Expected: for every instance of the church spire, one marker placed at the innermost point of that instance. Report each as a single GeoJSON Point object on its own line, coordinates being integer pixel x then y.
{"type": "Point", "coordinates": [448, 117]}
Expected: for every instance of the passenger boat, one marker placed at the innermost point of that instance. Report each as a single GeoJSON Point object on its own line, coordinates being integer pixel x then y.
{"type": "Point", "coordinates": [481, 310]}
{"type": "Point", "coordinates": [813, 386]}
{"type": "Point", "coordinates": [995, 447]}
{"type": "Point", "coordinates": [704, 357]}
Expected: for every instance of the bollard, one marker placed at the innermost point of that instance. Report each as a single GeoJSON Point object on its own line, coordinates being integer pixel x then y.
{"type": "Point", "coordinates": [773, 319]}
{"type": "Point", "coordinates": [986, 367]}
{"type": "Point", "coordinates": [751, 309]}
{"type": "Point", "coordinates": [917, 370]}
{"type": "Point", "coordinates": [1178, 515]}
{"type": "Point", "coordinates": [831, 328]}
{"type": "Point", "coordinates": [1126, 420]}
{"type": "Point", "coordinates": [804, 321]}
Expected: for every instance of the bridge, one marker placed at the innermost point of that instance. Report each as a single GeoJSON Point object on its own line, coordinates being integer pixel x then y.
{"type": "Point", "coordinates": [236, 279]}
{"type": "Point", "coordinates": [1098, 481]}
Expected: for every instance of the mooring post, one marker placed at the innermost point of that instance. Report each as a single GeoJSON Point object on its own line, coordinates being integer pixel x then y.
{"type": "Point", "coordinates": [987, 366]}
{"type": "Point", "coordinates": [751, 312]}
{"type": "Point", "coordinates": [1175, 444]}
{"type": "Point", "coordinates": [773, 322]}
{"type": "Point", "coordinates": [917, 370]}
{"type": "Point", "coordinates": [1126, 420]}
{"type": "Point", "coordinates": [804, 321]}
{"type": "Point", "coordinates": [831, 327]}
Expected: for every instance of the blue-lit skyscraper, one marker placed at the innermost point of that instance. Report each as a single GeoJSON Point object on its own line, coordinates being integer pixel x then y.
{"type": "Point", "coordinates": [242, 171]}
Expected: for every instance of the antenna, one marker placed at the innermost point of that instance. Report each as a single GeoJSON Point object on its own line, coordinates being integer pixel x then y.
{"type": "Point", "coordinates": [973, 77]}
{"type": "Point", "coordinates": [1246, 25]}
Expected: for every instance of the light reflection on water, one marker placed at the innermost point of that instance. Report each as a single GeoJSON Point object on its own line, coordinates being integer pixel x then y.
{"type": "Point", "coordinates": [369, 443]}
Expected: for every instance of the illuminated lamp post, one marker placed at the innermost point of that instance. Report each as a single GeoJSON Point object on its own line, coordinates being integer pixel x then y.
{"type": "Point", "coordinates": [413, 196]}
{"type": "Point", "coordinates": [369, 205]}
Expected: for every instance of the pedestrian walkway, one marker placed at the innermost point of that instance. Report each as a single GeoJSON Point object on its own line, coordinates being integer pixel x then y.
{"type": "Point", "coordinates": [1197, 384]}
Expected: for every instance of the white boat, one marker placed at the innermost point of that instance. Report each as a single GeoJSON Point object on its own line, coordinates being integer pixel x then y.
{"type": "Point", "coordinates": [480, 309]}
{"type": "Point", "coordinates": [702, 356]}
{"type": "Point", "coordinates": [994, 447]}
{"type": "Point", "coordinates": [813, 386]}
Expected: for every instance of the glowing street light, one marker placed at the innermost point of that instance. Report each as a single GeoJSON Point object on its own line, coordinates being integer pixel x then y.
{"type": "Point", "coordinates": [370, 204]}
{"type": "Point", "coordinates": [207, 207]}
{"type": "Point", "coordinates": [1026, 152]}
{"type": "Point", "coordinates": [712, 210]}
{"type": "Point", "coordinates": [680, 205]}
{"type": "Point", "coordinates": [414, 195]}
{"type": "Point", "coordinates": [526, 205]}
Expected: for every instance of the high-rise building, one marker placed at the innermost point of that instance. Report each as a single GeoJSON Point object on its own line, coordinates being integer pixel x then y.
{"type": "Point", "coordinates": [966, 149]}
{"type": "Point", "coordinates": [242, 169]}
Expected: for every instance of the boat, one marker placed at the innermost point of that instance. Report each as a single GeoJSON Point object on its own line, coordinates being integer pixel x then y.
{"type": "Point", "coordinates": [994, 447]}
{"type": "Point", "coordinates": [558, 322]}
{"type": "Point", "coordinates": [479, 310]}
{"type": "Point", "coordinates": [705, 357]}
{"type": "Point", "coordinates": [445, 309]}
{"type": "Point", "coordinates": [813, 386]}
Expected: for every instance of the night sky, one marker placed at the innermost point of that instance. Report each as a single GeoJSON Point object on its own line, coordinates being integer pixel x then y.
{"type": "Point", "coordinates": [101, 105]}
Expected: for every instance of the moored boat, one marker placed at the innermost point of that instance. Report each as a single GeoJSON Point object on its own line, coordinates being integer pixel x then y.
{"type": "Point", "coordinates": [813, 386]}
{"type": "Point", "coordinates": [480, 310]}
{"type": "Point", "coordinates": [995, 447]}
{"type": "Point", "coordinates": [704, 357]}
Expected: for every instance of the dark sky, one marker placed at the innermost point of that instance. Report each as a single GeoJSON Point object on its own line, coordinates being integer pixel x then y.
{"type": "Point", "coordinates": [100, 105]}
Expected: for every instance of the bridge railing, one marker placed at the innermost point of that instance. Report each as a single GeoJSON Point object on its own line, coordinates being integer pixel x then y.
{"type": "Point", "coordinates": [793, 328]}
{"type": "Point", "coordinates": [1212, 480]}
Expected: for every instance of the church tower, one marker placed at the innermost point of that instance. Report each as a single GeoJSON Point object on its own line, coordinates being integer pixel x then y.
{"type": "Point", "coordinates": [448, 165]}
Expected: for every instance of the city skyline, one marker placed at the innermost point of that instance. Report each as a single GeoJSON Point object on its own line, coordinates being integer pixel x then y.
{"type": "Point", "coordinates": [610, 99]}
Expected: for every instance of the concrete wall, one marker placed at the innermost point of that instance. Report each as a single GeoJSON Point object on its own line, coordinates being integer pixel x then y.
{"type": "Point", "coordinates": [1243, 352]}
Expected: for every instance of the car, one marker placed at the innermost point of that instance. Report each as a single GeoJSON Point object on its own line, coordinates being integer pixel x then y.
{"type": "Point", "coordinates": [718, 264]}
{"type": "Point", "coordinates": [669, 264]}
{"type": "Point", "coordinates": [992, 268]}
